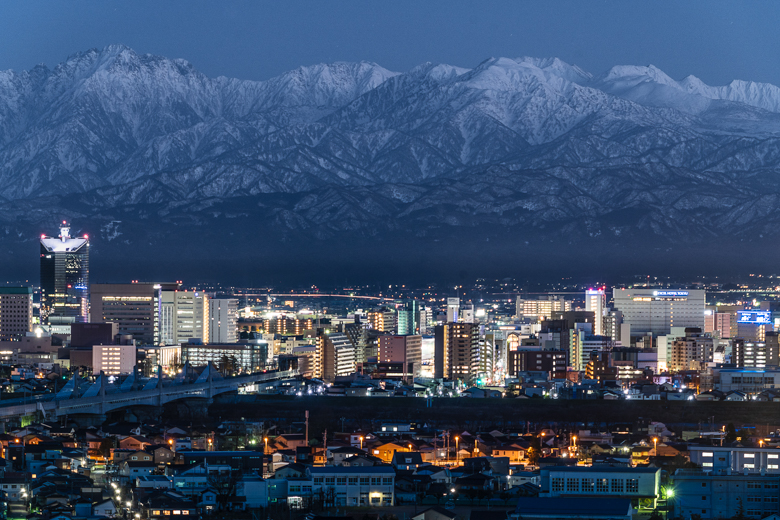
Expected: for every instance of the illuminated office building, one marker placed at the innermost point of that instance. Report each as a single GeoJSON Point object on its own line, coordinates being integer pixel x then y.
{"type": "Point", "coordinates": [596, 302]}
{"type": "Point", "coordinates": [64, 278]}
{"type": "Point", "coordinates": [16, 312]}
{"type": "Point", "coordinates": [542, 308]}
{"type": "Point", "coordinates": [223, 320]}
{"type": "Point", "coordinates": [753, 325]}
{"type": "Point", "coordinates": [184, 315]}
{"type": "Point", "coordinates": [656, 311]}
{"type": "Point", "coordinates": [134, 307]}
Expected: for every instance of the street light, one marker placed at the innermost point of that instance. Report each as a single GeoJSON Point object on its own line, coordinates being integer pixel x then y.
{"type": "Point", "coordinates": [668, 493]}
{"type": "Point", "coordinates": [655, 446]}
{"type": "Point", "coordinates": [457, 451]}
{"type": "Point", "coordinates": [361, 442]}
{"type": "Point", "coordinates": [265, 440]}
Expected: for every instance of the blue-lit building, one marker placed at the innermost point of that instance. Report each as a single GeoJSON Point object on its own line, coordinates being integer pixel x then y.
{"type": "Point", "coordinates": [722, 494]}
{"type": "Point", "coordinates": [64, 278]}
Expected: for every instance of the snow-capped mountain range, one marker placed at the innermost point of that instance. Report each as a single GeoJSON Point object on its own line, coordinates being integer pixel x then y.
{"type": "Point", "coordinates": [524, 149]}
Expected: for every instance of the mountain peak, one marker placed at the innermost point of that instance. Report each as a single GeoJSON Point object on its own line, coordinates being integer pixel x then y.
{"type": "Point", "coordinates": [559, 68]}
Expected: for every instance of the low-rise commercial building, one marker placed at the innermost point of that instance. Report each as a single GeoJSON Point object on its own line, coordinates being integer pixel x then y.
{"type": "Point", "coordinates": [356, 486]}
{"type": "Point", "coordinates": [638, 484]}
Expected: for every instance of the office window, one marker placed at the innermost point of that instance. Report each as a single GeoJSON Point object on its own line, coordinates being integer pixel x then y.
{"type": "Point", "coordinates": [557, 484]}
{"type": "Point", "coordinates": [602, 485]}
{"type": "Point", "coordinates": [632, 485]}
{"type": "Point", "coordinates": [364, 481]}
{"type": "Point", "coordinates": [617, 485]}
{"type": "Point", "coordinates": [706, 454]}
{"type": "Point", "coordinates": [572, 485]}
{"type": "Point", "coordinates": [587, 485]}
{"type": "Point", "coordinates": [353, 481]}
{"type": "Point", "coordinates": [387, 481]}
{"type": "Point", "coordinates": [749, 466]}
{"type": "Point", "coordinates": [749, 455]}
{"type": "Point", "coordinates": [341, 481]}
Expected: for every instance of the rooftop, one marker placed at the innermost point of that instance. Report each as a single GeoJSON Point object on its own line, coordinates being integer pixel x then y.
{"type": "Point", "coordinates": [57, 245]}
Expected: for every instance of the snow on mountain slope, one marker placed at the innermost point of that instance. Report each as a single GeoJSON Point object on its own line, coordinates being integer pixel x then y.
{"type": "Point", "coordinates": [651, 86]}
{"type": "Point", "coordinates": [529, 142]}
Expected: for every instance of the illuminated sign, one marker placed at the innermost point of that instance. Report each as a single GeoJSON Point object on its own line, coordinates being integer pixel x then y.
{"type": "Point", "coordinates": [670, 293]}
{"type": "Point", "coordinates": [756, 317]}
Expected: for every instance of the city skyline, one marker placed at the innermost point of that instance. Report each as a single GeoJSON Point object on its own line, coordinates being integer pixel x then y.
{"type": "Point", "coordinates": [379, 260]}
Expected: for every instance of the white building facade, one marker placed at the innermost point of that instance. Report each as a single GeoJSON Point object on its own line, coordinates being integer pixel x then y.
{"type": "Point", "coordinates": [223, 320]}
{"type": "Point", "coordinates": [656, 311]}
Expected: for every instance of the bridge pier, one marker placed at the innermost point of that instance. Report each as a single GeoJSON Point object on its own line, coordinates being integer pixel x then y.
{"type": "Point", "coordinates": [189, 408]}
{"type": "Point", "coordinates": [85, 420]}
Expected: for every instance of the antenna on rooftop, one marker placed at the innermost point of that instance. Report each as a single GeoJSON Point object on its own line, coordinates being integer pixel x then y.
{"type": "Point", "coordinates": [64, 230]}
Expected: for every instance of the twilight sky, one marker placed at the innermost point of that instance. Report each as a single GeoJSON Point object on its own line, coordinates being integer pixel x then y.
{"type": "Point", "coordinates": [715, 40]}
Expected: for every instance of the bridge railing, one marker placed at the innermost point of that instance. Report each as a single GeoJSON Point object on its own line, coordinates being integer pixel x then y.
{"type": "Point", "coordinates": [115, 400]}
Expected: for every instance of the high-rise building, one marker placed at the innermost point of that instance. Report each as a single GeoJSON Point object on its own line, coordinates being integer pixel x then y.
{"type": "Point", "coordinates": [409, 318]}
{"type": "Point", "coordinates": [223, 320]}
{"type": "Point", "coordinates": [134, 307]}
{"type": "Point", "coordinates": [453, 310]}
{"type": "Point", "coordinates": [542, 308]}
{"type": "Point", "coordinates": [691, 352]}
{"type": "Point", "coordinates": [184, 315]}
{"type": "Point", "coordinates": [336, 356]}
{"type": "Point", "coordinates": [755, 354]}
{"type": "Point", "coordinates": [461, 349]}
{"type": "Point", "coordinates": [656, 311]}
{"type": "Point", "coordinates": [382, 319]}
{"type": "Point", "coordinates": [64, 278]}
{"type": "Point", "coordinates": [615, 328]}
{"type": "Point", "coordinates": [720, 322]}
{"type": "Point", "coordinates": [425, 320]}
{"type": "Point", "coordinates": [753, 325]}
{"type": "Point", "coordinates": [596, 302]}
{"type": "Point", "coordinates": [401, 349]}
{"type": "Point", "coordinates": [16, 312]}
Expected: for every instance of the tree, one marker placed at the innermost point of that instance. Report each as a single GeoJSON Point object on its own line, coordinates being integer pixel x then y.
{"type": "Point", "coordinates": [224, 484]}
{"type": "Point", "coordinates": [740, 511]}
{"type": "Point", "coordinates": [105, 447]}
{"type": "Point", "coordinates": [656, 515]}
{"type": "Point", "coordinates": [534, 451]}
{"type": "Point", "coordinates": [731, 433]}
{"type": "Point", "coordinates": [227, 365]}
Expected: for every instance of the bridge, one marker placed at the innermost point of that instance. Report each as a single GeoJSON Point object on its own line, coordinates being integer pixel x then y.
{"type": "Point", "coordinates": [101, 397]}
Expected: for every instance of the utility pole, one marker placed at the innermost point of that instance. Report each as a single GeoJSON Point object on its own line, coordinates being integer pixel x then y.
{"type": "Point", "coordinates": [307, 427]}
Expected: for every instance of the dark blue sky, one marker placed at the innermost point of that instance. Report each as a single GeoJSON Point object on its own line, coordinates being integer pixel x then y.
{"type": "Point", "coordinates": [715, 40]}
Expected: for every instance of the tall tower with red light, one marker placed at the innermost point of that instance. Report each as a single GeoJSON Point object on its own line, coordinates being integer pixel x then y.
{"type": "Point", "coordinates": [64, 278]}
